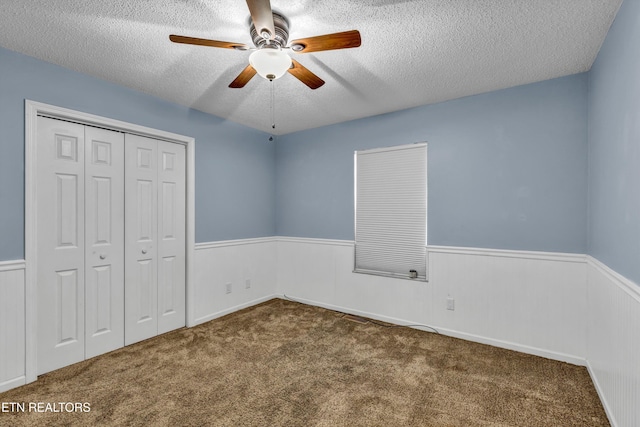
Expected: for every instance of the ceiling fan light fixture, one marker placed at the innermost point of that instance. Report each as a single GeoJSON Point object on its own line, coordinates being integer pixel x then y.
{"type": "Point", "coordinates": [270, 63]}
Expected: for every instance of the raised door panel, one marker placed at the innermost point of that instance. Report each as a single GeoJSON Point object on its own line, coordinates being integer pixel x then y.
{"type": "Point", "coordinates": [141, 262]}
{"type": "Point", "coordinates": [104, 222]}
{"type": "Point", "coordinates": [171, 236]}
{"type": "Point", "coordinates": [60, 249]}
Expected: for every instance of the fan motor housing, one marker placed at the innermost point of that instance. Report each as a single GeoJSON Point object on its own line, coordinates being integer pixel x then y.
{"type": "Point", "coordinates": [280, 39]}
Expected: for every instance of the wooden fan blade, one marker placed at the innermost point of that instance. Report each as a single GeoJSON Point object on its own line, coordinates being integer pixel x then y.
{"type": "Point", "coordinates": [206, 42]}
{"type": "Point", "coordinates": [243, 78]}
{"type": "Point", "coordinates": [333, 41]}
{"type": "Point", "coordinates": [304, 75]}
{"type": "Point", "coordinates": [262, 16]}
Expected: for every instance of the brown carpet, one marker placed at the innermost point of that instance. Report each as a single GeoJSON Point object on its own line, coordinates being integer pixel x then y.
{"type": "Point", "coordinates": [286, 364]}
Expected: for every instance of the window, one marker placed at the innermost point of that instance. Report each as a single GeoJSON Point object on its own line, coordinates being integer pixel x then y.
{"type": "Point", "coordinates": [391, 211]}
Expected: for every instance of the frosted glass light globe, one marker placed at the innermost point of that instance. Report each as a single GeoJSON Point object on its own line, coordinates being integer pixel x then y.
{"type": "Point", "coordinates": [270, 63]}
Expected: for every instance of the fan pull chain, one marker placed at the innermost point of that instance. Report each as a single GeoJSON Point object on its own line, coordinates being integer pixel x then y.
{"type": "Point", "coordinates": [273, 114]}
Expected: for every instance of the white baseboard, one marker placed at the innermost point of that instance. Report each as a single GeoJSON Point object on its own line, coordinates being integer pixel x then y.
{"type": "Point", "coordinates": [601, 395]}
{"type": "Point", "coordinates": [443, 331]}
{"type": "Point", "coordinates": [233, 309]}
{"type": "Point", "coordinates": [553, 355]}
{"type": "Point", "coordinates": [12, 383]}
{"type": "Point", "coordinates": [360, 313]}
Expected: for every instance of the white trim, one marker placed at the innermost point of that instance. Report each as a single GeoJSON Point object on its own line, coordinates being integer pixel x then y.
{"type": "Point", "coordinates": [190, 242]}
{"type": "Point", "coordinates": [554, 355]}
{"type": "Point", "coordinates": [18, 264]}
{"type": "Point", "coordinates": [30, 232]}
{"type": "Point", "coordinates": [12, 383]}
{"type": "Point", "coordinates": [507, 253]}
{"type": "Point", "coordinates": [392, 148]}
{"type": "Point", "coordinates": [424, 279]}
{"type": "Point", "coordinates": [32, 110]}
{"type": "Point", "coordinates": [383, 245]}
{"type": "Point", "coordinates": [374, 316]}
{"type": "Point", "coordinates": [233, 309]}
{"type": "Point", "coordinates": [314, 241]}
{"type": "Point", "coordinates": [236, 242]}
{"type": "Point", "coordinates": [460, 250]}
{"type": "Point", "coordinates": [603, 400]}
{"type": "Point", "coordinates": [628, 286]}
{"type": "Point", "coordinates": [448, 332]}
{"type": "Point", "coordinates": [105, 122]}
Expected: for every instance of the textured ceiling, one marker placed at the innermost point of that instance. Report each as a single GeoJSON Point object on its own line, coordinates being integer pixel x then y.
{"type": "Point", "coordinates": [413, 52]}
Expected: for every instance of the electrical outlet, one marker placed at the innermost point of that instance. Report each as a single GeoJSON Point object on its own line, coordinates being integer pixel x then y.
{"type": "Point", "coordinates": [451, 304]}
{"type": "Point", "coordinates": [247, 284]}
{"type": "Point", "coordinates": [228, 288]}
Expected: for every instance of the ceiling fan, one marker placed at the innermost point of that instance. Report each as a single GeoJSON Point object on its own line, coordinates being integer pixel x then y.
{"type": "Point", "coordinates": [270, 33]}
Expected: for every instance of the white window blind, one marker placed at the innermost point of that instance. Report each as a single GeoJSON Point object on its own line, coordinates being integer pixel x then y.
{"type": "Point", "coordinates": [391, 210]}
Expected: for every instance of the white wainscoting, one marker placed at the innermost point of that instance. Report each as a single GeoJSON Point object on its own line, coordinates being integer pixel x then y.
{"type": "Point", "coordinates": [12, 325]}
{"type": "Point", "coordinates": [319, 272]}
{"type": "Point", "coordinates": [235, 262]}
{"type": "Point", "coordinates": [533, 302]}
{"type": "Point", "coordinates": [527, 301]}
{"type": "Point", "coordinates": [561, 306]}
{"type": "Point", "coordinates": [613, 342]}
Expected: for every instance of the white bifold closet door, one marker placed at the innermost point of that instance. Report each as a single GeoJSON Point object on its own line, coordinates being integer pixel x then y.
{"type": "Point", "coordinates": [154, 237]}
{"type": "Point", "coordinates": [80, 232]}
{"type": "Point", "coordinates": [104, 239]}
{"type": "Point", "coordinates": [110, 216]}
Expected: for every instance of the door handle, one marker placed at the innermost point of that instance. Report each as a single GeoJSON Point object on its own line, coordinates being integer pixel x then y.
{"type": "Point", "coordinates": [144, 251]}
{"type": "Point", "coordinates": [102, 256]}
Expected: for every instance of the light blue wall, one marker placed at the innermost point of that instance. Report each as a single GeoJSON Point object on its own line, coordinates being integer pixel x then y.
{"type": "Point", "coordinates": [235, 175]}
{"type": "Point", "coordinates": [507, 169]}
{"type": "Point", "coordinates": [614, 146]}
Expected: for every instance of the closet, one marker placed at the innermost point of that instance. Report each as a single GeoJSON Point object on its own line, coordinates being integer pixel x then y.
{"type": "Point", "coordinates": [110, 218]}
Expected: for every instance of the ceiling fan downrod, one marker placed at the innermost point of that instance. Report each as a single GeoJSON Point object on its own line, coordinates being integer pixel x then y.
{"type": "Point", "coordinates": [280, 38]}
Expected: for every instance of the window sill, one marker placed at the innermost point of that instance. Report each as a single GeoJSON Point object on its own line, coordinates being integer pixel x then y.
{"type": "Point", "coordinates": [391, 275]}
